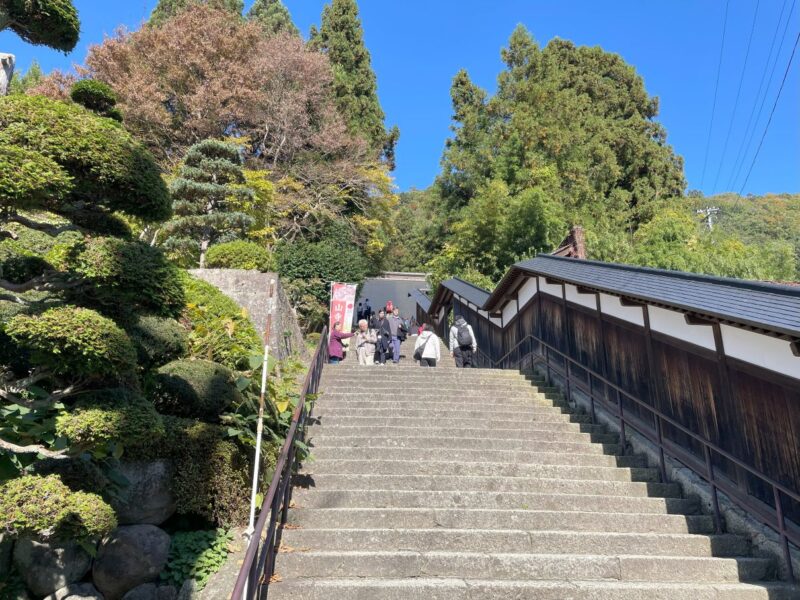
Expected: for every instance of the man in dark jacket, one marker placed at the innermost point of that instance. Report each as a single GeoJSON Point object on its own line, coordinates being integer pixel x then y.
{"type": "Point", "coordinates": [384, 334]}
{"type": "Point", "coordinates": [463, 344]}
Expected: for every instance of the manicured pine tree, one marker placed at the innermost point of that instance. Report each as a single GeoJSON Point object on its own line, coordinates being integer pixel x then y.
{"type": "Point", "coordinates": [52, 23]}
{"type": "Point", "coordinates": [203, 197]}
{"type": "Point", "coordinates": [341, 37]}
{"type": "Point", "coordinates": [166, 9]}
{"type": "Point", "coordinates": [273, 16]}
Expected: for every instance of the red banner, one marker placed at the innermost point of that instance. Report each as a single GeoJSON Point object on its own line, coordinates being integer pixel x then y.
{"type": "Point", "coordinates": [343, 300]}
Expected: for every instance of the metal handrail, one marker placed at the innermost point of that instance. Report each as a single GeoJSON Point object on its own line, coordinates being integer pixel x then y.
{"type": "Point", "coordinates": [665, 447]}
{"type": "Point", "coordinates": [258, 566]}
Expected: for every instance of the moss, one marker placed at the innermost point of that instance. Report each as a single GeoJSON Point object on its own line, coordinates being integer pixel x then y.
{"type": "Point", "coordinates": [158, 340]}
{"type": "Point", "coordinates": [106, 417]}
{"type": "Point", "coordinates": [194, 388]}
{"type": "Point", "coordinates": [240, 254]}
{"type": "Point", "coordinates": [45, 508]}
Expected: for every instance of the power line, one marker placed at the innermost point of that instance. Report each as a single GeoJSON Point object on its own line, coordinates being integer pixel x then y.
{"type": "Point", "coordinates": [738, 96]}
{"type": "Point", "coordinates": [716, 89]}
{"type": "Point", "coordinates": [771, 114]}
{"type": "Point", "coordinates": [741, 155]}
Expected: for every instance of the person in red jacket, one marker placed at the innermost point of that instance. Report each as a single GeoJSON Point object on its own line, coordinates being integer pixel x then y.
{"type": "Point", "coordinates": [335, 347]}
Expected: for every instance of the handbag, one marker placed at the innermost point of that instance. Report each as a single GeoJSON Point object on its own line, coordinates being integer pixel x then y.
{"type": "Point", "coordinates": [420, 351]}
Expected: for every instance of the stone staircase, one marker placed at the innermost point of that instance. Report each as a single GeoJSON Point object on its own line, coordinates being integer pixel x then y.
{"type": "Point", "coordinates": [447, 484]}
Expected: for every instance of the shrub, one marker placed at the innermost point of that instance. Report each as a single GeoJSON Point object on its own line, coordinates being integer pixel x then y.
{"type": "Point", "coordinates": [131, 274]}
{"type": "Point", "coordinates": [97, 97]}
{"type": "Point", "coordinates": [240, 254]}
{"type": "Point", "coordinates": [220, 329]}
{"type": "Point", "coordinates": [194, 388]}
{"type": "Point", "coordinates": [45, 508]}
{"type": "Point", "coordinates": [53, 23]}
{"type": "Point", "coordinates": [18, 264]}
{"type": "Point", "coordinates": [29, 178]}
{"type": "Point", "coordinates": [108, 166]}
{"type": "Point", "coordinates": [75, 341]}
{"type": "Point", "coordinates": [158, 340]}
{"type": "Point", "coordinates": [99, 222]}
{"type": "Point", "coordinates": [109, 420]}
{"type": "Point", "coordinates": [196, 555]}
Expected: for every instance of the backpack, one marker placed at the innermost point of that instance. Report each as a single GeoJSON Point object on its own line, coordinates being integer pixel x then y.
{"type": "Point", "coordinates": [463, 336]}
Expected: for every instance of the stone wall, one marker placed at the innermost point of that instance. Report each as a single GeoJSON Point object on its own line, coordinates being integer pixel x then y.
{"type": "Point", "coordinates": [250, 290]}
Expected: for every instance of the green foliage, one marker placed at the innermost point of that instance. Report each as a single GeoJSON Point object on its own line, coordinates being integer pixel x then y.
{"type": "Point", "coordinates": [21, 83]}
{"type": "Point", "coordinates": [107, 421]}
{"type": "Point", "coordinates": [52, 23]}
{"type": "Point", "coordinates": [129, 274]}
{"type": "Point", "coordinates": [97, 97]}
{"type": "Point", "coordinates": [240, 254]}
{"type": "Point", "coordinates": [158, 340]}
{"type": "Point", "coordinates": [196, 555]}
{"type": "Point", "coordinates": [210, 177]}
{"type": "Point", "coordinates": [29, 179]}
{"type": "Point", "coordinates": [45, 508]}
{"type": "Point", "coordinates": [166, 9]}
{"type": "Point", "coordinates": [194, 388]}
{"type": "Point", "coordinates": [18, 264]}
{"type": "Point", "coordinates": [219, 328]}
{"type": "Point", "coordinates": [75, 342]}
{"type": "Point", "coordinates": [24, 426]}
{"type": "Point", "coordinates": [273, 16]}
{"type": "Point", "coordinates": [341, 37]}
{"type": "Point", "coordinates": [108, 167]}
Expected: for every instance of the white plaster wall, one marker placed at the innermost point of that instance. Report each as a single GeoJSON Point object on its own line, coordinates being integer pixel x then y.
{"type": "Point", "coordinates": [527, 291]}
{"type": "Point", "coordinates": [673, 324]}
{"type": "Point", "coordinates": [587, 300]}
{"type": "Point", "coordinates": [554, 289]}
{"type": "Point", "coordinates": [496, 321]}
{"type": "Point", "coordinates": [762, 350]}
{"type": "Point", "coordinates": [611, 305]}
{"type": "Point", "coordinates": [509, 310]}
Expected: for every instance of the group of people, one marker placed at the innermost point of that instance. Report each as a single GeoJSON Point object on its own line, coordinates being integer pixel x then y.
{"type": "Point", "coordinates": [380, 335]}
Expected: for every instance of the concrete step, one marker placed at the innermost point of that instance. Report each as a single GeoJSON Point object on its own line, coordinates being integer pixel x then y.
{"type": "Point", "coordinates": [521, 413]}
{"type": "Point", "coordinates": [378, 498]}
{"type": "Point", "coordinates": [481, 518]}
{"type": "Point", "coordinates": [470, 456]}
{"type": "Point", "coordinates": [485, 469]}
{"type": "Point", "coordinates": [450, 419]}
{"type": "Point", "coordinates": [527, 542]}
{"type": "Point", "coordinates": [431, 588]}
{"type": "Point", "coordinates": [446, 443]}
{"type": "Point", "coordinates": [542, 430]}
{"type": "Point", "coordinates": [438, 402]}
{"type": "Point", "coordinates": [523, 566]}
{"type": "Point", "coordinates": [467, 483]}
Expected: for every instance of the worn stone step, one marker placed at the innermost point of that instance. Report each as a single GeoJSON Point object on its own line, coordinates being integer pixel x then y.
{"type": "Point", "coordinates": [485, 469]}
{"type": "Point", "coordinates": [474, 588]}
{"type": "Point", "coordinates": [444, 443]}
{"type": "Point", "coordinates": [541, 430]}
{"type": "Point", "coordinates": [439, 402]}
{"type": "Point", "coordinates": [528, 542]}
{"type": "Point", "coordinates": [523, 566]}
{"type": "Point", "coordinates": [481, 518]}
{"type": "Point", "coordinates": [522, 414]}
{"type": "Point", "coordinates": [406, 392]}
{"type": "Point", "coordinates": [468, 483]}
{"type": "Point", "coordinates": [473, 456]}
{"type": "Point", "coordinates": [377, 498]}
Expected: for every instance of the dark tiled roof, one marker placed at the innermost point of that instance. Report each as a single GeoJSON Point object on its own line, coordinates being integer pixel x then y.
{"type": "Point", "coordinates": [763, 305]}
{"type": "Point", "coordinates": [467, 291]}
{"type": "Point", "coordinates": [421, 298]}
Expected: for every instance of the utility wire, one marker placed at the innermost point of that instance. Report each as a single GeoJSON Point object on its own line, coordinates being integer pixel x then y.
{"type": "Point", "coordinates": [771, 114]}
{"type": "Point", "coordinates": [716, 89]}
{"type": "Point", "coordinates": [741, 155]}
{"type": "Point", "coordinates": [738, 96]}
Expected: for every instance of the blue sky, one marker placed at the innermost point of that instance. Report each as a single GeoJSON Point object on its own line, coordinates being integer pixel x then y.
{"type": "Point", "coordinates": [418, 46]}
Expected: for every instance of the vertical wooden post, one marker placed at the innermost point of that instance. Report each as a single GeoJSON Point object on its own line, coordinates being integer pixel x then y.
{"type": "Point", "coordinates": [653, 387]}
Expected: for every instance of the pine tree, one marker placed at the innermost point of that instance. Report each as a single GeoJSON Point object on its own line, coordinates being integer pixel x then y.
{"type": "Point", "coordinates": [166, 9]}
{"type": "Point", "coordinates": [210, 182]}
{"type": "Point", "coordinates": [341, 37]}
{"type": "Point", "coordinates": [52, 23]}
{"type": "Point", "coordinates": [273, 16]}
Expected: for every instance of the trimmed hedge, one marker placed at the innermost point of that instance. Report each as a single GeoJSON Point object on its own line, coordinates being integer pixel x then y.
{"type": "Point", "coordinates": [240, 254]}
{"type": "Point", "coordinates": [158, 340]}
{"type": "Point", "coordinates": [194, 388]}
{"type": "Point", "coordinates": [45, 508]}
{"type": "Point", "coordinates": [97, 97]}
{"type": "Point", "coordinates": [29, 178]}
{"type": "Point", "coordinates": [52, 23]}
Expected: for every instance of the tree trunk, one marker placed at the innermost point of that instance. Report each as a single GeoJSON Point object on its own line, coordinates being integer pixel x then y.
{"type": "Point", "coordinates": [6, 71]}
{"type": "Point", "coordinates": [204, 243]}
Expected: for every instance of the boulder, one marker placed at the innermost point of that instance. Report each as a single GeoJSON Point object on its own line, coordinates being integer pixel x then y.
{"type": "Point", "coordinates": [6, 546]}
{"type": "Point", "coordinates": [146, 591]}
{"type": "Point", "coordinates": [47, 567]}
{"type": "Point", "coordinates": [188, 590]}
{"type": "Point", "coordinates": [130, 556]}
{"type": "Point", "coordinates": [76, 591]}
{"type": "Point", "coordinates": [148, 499]}
{"type": "Point", "coordinates": [167, 592]}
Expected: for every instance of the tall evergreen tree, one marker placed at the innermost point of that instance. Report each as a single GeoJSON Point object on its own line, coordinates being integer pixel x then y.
{"type": "Point", "coordinates": [273, 16]}
{"type": "Point", "coordinates": [210, 181]}
{"type": "Point", "coordinates": [166, 9]}
{"type": "Point", "coordinates": [341, 37]}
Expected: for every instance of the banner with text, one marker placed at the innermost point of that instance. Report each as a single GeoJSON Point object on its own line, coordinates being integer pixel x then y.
{"type": "Point", "coordinates": [343, 300]}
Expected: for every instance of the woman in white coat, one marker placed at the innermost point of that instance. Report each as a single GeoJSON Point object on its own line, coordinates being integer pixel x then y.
{"type": "Point", "coordinates": [427, 349]}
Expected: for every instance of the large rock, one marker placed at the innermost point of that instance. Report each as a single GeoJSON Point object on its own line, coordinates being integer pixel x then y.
{"type": "Point", "coordinates": [76, 591]}
{"type": "Point", "coordinates": [130, 556]}
{"type": "Point", "coordinates": [47, 567]}
{"type": "Point", "coordinates": [6, 71]}
{"type": "Point", "coordinates": [146, 591]}
{"type": "Point", "coordinates": [149, 498]}
{"type": "Point", "coordinates": [6, 546]}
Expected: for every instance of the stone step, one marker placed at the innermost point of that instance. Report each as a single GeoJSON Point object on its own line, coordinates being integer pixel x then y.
{"type": "Point", "coordinates": [472, 456]}
{"type": "Point", "coordinates": [524, 566]}
{"type": "Point", "coordinates": [480, 518]}
{"type": "Point", "coordinates": [323, 481]}
{"type": "Point", "coordinates": [440, 402]}
{"type": "Point", "coordinates": [348, 417]}
{"type": "Point", "coordinates": [394, 428]}
{"type": "Point", "coordinates": [406, 392]}
{"type": "Point", "coordinates": [527, 542]}
{"type": "Point", "coordinates": [480, 469]}
{"type": "Point", "coordinates": [446, 443]}
{"type": "Point", "coordinates": [484, 589]}
{"type": "Point", "coordinates": [377, 498]}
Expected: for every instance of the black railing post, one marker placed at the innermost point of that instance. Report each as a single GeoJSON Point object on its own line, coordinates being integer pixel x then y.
{"type": "Point", "coordinates": [662, 463]}
{"type": "Point", "coordinates": [569, 382]}
{"type": "Point", "coordinates": [591, 398]}
{"type": "Point", "coordinates": [622, 437]}
{"type": "Point", "coordinates": [714, 495]}
{"type": "Point", "coordinates": [782, 530]}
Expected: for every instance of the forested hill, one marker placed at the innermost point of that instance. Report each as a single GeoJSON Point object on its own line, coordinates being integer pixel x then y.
{"type": "Point", "coordinates": [571, 138]}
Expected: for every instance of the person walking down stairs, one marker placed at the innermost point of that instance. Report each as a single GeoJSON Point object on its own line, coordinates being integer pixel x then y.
{"type": "Point", "coordinates": [463, 344]}
{"type": "Point", "coordinates": [426, 349]}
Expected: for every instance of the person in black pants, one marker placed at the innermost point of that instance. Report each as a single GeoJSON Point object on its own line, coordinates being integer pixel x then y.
{"type": "Point", "coordinates": [463, 344]}
{"type": "Point", "coordinates": [384, 334]}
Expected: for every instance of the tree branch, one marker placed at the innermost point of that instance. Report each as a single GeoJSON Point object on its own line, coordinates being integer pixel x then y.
{"type": "Point", "coordinates": [42, 283]}
{"type": "Point", "coordinates": [32, 449]}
